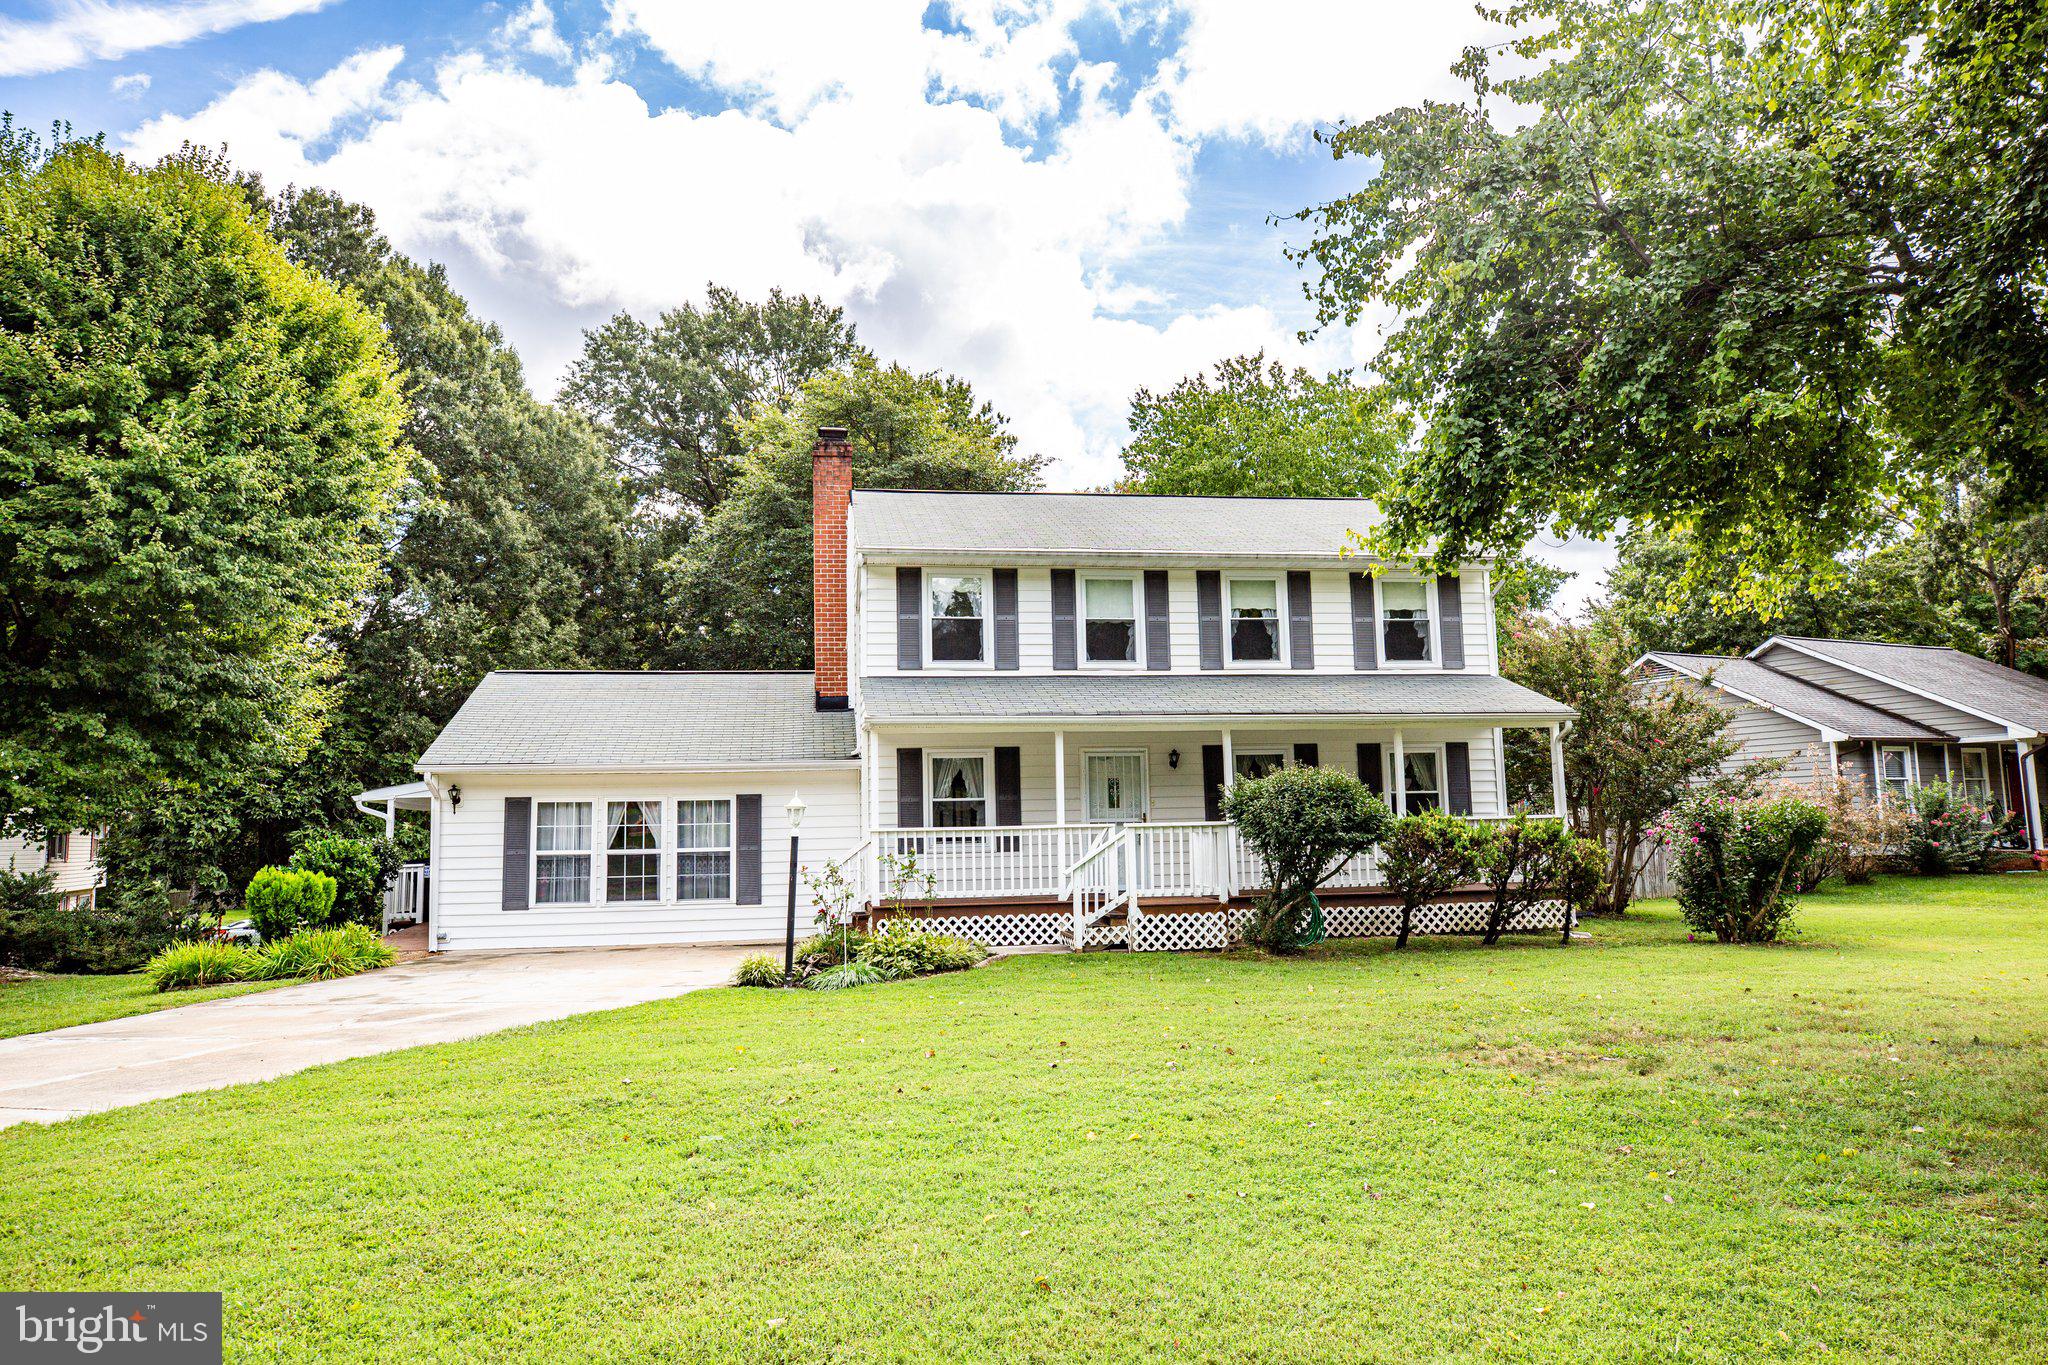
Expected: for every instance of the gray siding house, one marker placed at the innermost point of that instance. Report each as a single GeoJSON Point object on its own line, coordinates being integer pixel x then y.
{"type": "Point", "coordinates": [1891, 717]}
{"type": "Point", "coordinates": [1039, 698]}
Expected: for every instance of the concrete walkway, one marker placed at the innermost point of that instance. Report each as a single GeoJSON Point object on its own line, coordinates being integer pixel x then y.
{"type": "Point", "coordinates": [45, 1077]}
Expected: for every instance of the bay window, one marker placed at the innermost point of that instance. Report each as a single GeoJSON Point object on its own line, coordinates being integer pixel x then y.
{"type": "Point", "coordinates": [632, 858]}
{"type": "Point", "coordinates": [957, 618]}
{"type": "Point", "coordinates": [561, 852]}
{"type": "Point", "coordinates": [1404, 620]}
{"type": "Point", "coordinates": [1255, 620]}
{"type": "Point", "coordinates": [1109, 614]}
{"type": "Point", "coordinates": [703, 850]}
{"type": "Point", "coordinates": [959, 797]}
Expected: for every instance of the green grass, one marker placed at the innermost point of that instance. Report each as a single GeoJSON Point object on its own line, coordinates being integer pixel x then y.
{"type": "Point", "coordinates": [1636, 1148]}
{"type": "Point", "coordinates": [46, 1002]}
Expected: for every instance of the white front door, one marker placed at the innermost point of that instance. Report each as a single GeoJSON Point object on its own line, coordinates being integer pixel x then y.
{"type": "Point", "coordinates": [1116, 788]}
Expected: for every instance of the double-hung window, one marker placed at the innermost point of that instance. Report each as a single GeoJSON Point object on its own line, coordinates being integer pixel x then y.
{"type": "Point", "coordinates": [1109, 613]}
{"type": "Point", "coordinates": [1895, 772]}
{"type": "Point", "coordinates": [1253, 764]}
{"type": "Point", "coordinates": [959, 791]}
{"type": "Point", "coordinates": [561, 852]}
{"type": "Point", "coordinates": [957, 619]}
{"type": "Point", "coordinates": [1422, 779]}
{"type": "Point", "coordinates": [1404, 620]}
{"type": "Point", "coordinates": [1976, 776]}
{"type": "Point", "coordinates": [632, 851]}
{"type": "Point", "coordinates": [703, 850]}
{"type": "Point", "coordinates": [1254, 620]}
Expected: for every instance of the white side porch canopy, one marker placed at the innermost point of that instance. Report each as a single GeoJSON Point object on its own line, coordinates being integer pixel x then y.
{"type": "Point", "coordinates": [404, 796]}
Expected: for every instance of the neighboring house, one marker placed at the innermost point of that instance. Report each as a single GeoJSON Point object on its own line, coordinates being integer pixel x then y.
{"type": "Point", "coordinates": [73, 861]}
{"type": "Point", "coordinates": [1892, 718]}
{"type": "Point", "coordinates": [1038, 697]}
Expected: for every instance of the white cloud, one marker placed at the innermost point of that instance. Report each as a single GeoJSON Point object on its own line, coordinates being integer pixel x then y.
{"type": "Point", "coordinates": [1273, 69]}
{"type": "Point", "coordinates": [79, 31]}
{"type": "Point", "coordinates": [533, 29]}
{"type": "Point", "coordinates": [130, 86]}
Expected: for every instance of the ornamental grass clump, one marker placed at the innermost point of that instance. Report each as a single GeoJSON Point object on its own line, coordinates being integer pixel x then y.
{"type": "Point", "coordinates": [323, 954]}
{"type": "Point", "coordinates": [184, 966]}
{"type": "Point", "coordinates": [1739, 862]}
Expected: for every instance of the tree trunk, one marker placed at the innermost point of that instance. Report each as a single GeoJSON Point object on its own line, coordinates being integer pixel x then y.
{"type": "Point", "coordinates": [1407, 923]}
{"type": "Point", "coordinates": [2001, 602]}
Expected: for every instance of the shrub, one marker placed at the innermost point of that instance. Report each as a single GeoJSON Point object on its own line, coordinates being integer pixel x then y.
{"type": "Point", "coordinates": [1520, 862]}
{"type": "Point", "coordinates": [1577, 873]}
{"type": "Point", "coordinates": [758, 970]}
{"type": "Point", "coordinates": [281, 902]}
{"type": "Point", "coordinates": [129, 923]}
{"type": "Point", "coordinates": [841, 944]}
{"type": "Point", "coordinates": [904, 948]}
{"type": "Point", "coordinates": [361, 869]}
{"type": "Point", "coordinates": [1947, 832]}
{"type": "Point", "coordinates": [1424, 856]}
{"type": "Point", "coordinates": [1863, 838]}
{"type": "Point", "coordinates": [185, 965]}
{"type": "Point", "coordinates": [1739, 861]}
{"type": "Point", "coordinates": [1304, 822]}
{"type": "Point", "coordinates": [322, 954]}
{"type": "Point", "coordinates": [848, 975]}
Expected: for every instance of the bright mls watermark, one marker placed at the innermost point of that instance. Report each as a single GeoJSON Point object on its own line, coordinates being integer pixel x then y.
{"type": "Point", "coordinates": [165, 1329]}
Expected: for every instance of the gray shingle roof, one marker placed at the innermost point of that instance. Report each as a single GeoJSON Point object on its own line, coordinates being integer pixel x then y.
{"type": "Point", "coordinates": [1804, 700]}
{"type": "Point", "coordinates": [1973, 683]}
{"type": "Point", "coordinates": [1169, 697]}
{"type": "Point", "coordinates": [640, 720]}
{"type": "Point", "coordinates": [1105, 523]}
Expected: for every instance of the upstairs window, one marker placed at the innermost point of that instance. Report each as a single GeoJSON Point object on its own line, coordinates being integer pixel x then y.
{"type": "Point", "coordinates": [632, 859]}
{"type": "Point", "coordinates": [959, 791]}
{"type": "Point", "coordinates": [1404, 620]}
{"type": "Point", "coordinates": [956, 618]}
{"type": "Point", "coordinates": [561, 852]}
{"type": "Point", "coordinates": [1254, 620]}
{"type": "Point", "coordinates": [57, 848]}
{"type": "Point", "coordinates": [1109, 609]}
{"type": "Point", "coordinates": [703, 850]}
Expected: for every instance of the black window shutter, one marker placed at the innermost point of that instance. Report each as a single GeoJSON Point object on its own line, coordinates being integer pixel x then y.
{"type": "Point", "coordinates": [1301, 621]}
{"type": "Point", "coordinates": [1009, 785]}
{"type": "Point", "coordinates": [1064, 653]}
{"type": "Point", "coordinates": [1458, 777]}
{"type": "Point", "coordinates": [746, 832]}
{"type": "Point", "coordinates": [518, 850]}
{"type": "Point", "coordinates": [909, 788]}
{"type": "Point", "coordinates": [1365, 628]}
{"type": "Point", "coordinates": [1006, 618]}
{"type": "Point", "coordinates": [1450, 610]}
{"type": "Point", "coordinates": [1372, 769]}
{"type": "Point", "coordinates": [909, 618]}
{"type": "Point", "coordinates": [1306, 756]}
{"type": "Point", "coordinates": [1209, 617]}
{"type": "Point", "coordinates": [1158, 621]}
{"type": "Point", "coordinates": [1212, 781]}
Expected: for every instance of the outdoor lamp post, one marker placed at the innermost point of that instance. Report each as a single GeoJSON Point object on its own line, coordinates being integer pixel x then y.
{"type": "Point", "coordinates": [795, 809]}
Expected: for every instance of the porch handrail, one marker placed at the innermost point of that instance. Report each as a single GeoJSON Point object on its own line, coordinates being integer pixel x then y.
{"type": "Point", "coordinates": [858, 882]}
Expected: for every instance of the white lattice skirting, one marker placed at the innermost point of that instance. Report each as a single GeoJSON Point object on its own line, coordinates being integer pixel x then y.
{"type": "Point", "coordinates": [1192, 930]}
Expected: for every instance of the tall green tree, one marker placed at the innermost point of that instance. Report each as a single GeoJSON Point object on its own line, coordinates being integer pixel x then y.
{"type": "Point", "coordinates": [1992, 565]}
{"type": "Point", "coordinates": [1257, 429]}
{"type": "Point", "coordinates": [198, 459]}
{"type": "Point", "coordinates": [742, 589]}
{"type": "Point", "coordinates": [1762, 272]}
{"type": "Point", "coordinates": [672, 396]}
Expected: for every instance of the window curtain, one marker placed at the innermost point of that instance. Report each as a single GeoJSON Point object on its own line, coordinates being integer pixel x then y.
{"type": "Point", "coordinates": [956, 779]}
{"type": "Point", "coordinates": [615, 820]}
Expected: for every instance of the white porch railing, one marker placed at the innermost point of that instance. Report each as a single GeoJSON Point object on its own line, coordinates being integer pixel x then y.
{"type": "Point", "coordinates": [1008, 860]}
{"type": "Point", "coordinates": [405, 900]}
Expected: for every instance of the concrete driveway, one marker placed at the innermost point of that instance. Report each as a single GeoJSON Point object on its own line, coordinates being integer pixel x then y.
{"type": "Point", "coordinates": [45, 1077]}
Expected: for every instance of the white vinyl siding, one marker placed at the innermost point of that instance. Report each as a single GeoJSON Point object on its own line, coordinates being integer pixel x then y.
{"type": "Point", "coordinates": [468, 874]}
{"type": "Point", "coordinates": [79, 870]}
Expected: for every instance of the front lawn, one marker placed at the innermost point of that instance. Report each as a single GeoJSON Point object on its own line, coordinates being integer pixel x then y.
{"type": "Point", "coordinates": [1637, 1147]}
{"type": "Point", "coordinates": [42, 1003]}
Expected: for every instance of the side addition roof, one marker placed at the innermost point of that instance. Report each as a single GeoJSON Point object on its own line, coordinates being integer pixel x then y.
{"type": "Point", "coordinates": [1947, 675]}
{"type": "Point", "coordinates": [1795, 697]}
{"type": "Point", "coordinates": [1036, 525]}
{"type": "Point", "coordinates": [611, 721]}
{"type": "Point", "coordinates": [1167, 697]}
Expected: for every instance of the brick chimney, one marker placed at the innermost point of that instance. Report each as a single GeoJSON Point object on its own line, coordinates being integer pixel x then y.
{"type": "Point", "coordinates": [831, 497]}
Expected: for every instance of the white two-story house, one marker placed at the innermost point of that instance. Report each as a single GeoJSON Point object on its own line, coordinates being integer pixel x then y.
{"type": "Point", "coordinates": [1035, 699]}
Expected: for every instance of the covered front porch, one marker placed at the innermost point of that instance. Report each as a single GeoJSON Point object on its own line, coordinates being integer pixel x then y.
{"type": "Point", "coordinates": [1089, 830]}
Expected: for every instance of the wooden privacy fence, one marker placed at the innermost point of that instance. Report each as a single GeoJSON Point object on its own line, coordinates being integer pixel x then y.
{"type": "Point", "coordinates": [1653, 878]}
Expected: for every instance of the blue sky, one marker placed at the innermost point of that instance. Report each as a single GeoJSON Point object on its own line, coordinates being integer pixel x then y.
{"type": "Point", "coordinates": [1062, 200]}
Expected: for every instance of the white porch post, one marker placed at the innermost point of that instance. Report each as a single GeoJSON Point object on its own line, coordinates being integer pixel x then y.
{"type": "Point", "coordinates": [1229, 763]}
{"type": "Point", "coordinates": [2030, 775]}
{"type": "Point", "coordinates": [1400, 778]}
{"type": "Point", "coordinates": [1059, 779]}
{"type": "Point", "coordinates": [1557, 770]}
